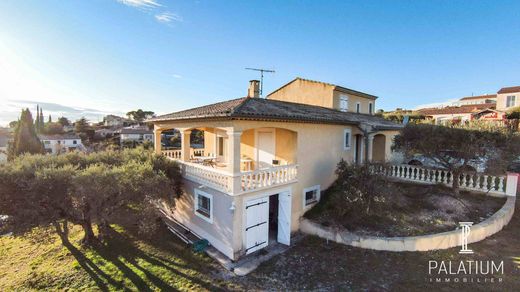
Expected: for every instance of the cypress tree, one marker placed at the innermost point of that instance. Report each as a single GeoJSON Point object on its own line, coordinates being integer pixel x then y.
{"type": "Point", "coordinates": [25, 138]}
{"type": "Point", "coordinates": [37, 121]}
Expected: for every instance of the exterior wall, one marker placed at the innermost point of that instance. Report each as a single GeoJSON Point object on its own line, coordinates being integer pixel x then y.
{"type": "Point", "coordinates": [302, 91]}
{"type": "Point", "coordinates": [53, 147]}
{"type": "Point", "coordinates": [286, 143]}
{"type": "Point", "coordinates": [446, 117]}
{"type": "Point", "coordinates": [352, 101]}
{"type": "Point", "coordinates": [315, 148]}
{"type": "Point", "coordinates": [209, 142]}
{"type": "Point", "coordinates": [220, 231]}
{"type": "Point", "coordinates": [502, 101]}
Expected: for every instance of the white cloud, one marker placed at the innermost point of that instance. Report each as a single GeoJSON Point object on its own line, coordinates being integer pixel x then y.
{"type": "Point", "coordinates": [141, 3]}
{"type": "Point", "coordinates": [168, 17]}
{"type": "Point", "coordinates": [176, 76]}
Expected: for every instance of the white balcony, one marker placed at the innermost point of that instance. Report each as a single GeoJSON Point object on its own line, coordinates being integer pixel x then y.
{"type": "Point", "coordinates": [243, 182]}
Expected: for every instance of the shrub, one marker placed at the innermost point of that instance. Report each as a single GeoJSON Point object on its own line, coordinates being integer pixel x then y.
{"type": "Point", "coordinates": [357, 187]}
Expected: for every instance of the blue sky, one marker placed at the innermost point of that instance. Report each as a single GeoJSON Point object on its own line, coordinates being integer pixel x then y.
{"type": "Point", "coordinates": [107, 56]}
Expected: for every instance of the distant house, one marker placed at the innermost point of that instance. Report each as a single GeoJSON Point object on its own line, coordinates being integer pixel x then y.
{"type": "Point", "coordinates": [104, 133]}
{"type": "Point", "coordinates": [138, 135]}
{"type": "Point", "coordinates": [56, 144]}
{"type": "Point", "coordinates": [116, 121]}
{"type": "Point", "coordinates": [490, 107]}
{"type": "Point", "coordinates": [3, 148]}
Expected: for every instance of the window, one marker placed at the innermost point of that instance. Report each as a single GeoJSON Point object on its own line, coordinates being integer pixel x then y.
{"type": "Point", "coordinates": [347, 139]}
{"type": "Point", "coordinates": [204, 205]}
{"type": "Point", "coordinates": [358, 107]}
{"type": "Point", "coordinates": [311, 195]}
{"type": "Point", "coordinates": [370, 108]}
{"type": "Point", "coordinates": [511, 101]}
{"type": "Point", "coordinates": [47, 142]}
{"type": "Point", "coordinates": [343, 103]}
{"type": "Point", "coordinates": [75, 142]}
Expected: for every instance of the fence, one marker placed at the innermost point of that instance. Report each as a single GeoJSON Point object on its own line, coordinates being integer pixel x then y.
{"type": "Point", "coordinates": [500, 185]}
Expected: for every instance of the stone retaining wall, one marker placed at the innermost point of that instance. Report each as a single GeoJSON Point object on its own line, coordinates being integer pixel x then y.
{"type": "Point", "coordinates": [442, 240]}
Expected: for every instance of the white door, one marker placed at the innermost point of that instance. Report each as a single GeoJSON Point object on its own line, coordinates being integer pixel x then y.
{"type": "Point", "coordinates": [257, 224]}
{"type": "Point", "coordinates": [265, 146]}
{"type": "Point", "coordinates": [284, 218]}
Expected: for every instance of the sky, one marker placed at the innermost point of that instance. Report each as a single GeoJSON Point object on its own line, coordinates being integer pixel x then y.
{"type": "Point", "coordinates": [91, 58]}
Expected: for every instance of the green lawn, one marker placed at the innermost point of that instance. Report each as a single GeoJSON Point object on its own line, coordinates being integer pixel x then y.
{"type": "Point", "coordinates": [38, 261]}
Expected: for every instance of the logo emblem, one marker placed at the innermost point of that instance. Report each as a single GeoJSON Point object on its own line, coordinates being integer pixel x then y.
{"type": "Point", "coordinates": [466, 230]}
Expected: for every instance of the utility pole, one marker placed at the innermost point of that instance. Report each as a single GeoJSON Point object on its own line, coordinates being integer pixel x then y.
{"type": "Point", "coordinates": [261, 77]}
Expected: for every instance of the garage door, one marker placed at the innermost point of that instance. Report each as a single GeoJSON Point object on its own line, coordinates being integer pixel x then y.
{"type": "Point", "coordinates": [257, 224]}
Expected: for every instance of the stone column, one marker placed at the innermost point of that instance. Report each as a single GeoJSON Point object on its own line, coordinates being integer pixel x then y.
{"type": "Point", "coordinates": [234, 158]}
{"type": "Point", "coordinates": [370, 146]}
{"type": "Point", "coordinates": [512, 184]}
{"type": "Point", "coordinates": [185, 145]}
{"type": "Point", "coordinates": [157, 140]}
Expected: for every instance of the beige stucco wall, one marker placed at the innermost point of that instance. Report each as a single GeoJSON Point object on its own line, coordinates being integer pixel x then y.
{"type": "Point", "coordinates": [286, 144]}
{"type": "Point", "coordinates": [502, 101]}
{"type": "Point", "coordinates": [301, 91]}
{"type": "Point", "coordinates": [320, 94]}
{"type": "Point", "coordinates": [353, 100]}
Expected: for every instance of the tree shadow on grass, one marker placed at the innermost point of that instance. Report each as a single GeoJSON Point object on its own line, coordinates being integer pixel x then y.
{"type": "Point", "coordinates": [92, 269]}
{"type": "Point", "coordinates": [119, 246]}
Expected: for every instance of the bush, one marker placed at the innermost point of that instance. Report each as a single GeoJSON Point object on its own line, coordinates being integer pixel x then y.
{"type": "Point", "coordinates": [357, 187]}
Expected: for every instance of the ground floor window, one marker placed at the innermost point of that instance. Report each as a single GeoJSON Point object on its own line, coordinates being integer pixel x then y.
{"type": "Point", "coordinates": [204, 205]}
{"type": "Point", "coordinates": [311, 195]}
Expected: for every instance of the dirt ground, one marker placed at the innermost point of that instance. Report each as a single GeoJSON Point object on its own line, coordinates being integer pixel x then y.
{"type": "Point", "coordinates": [408, 210]}
{"type": "Point", "coordinates": [314, 264]}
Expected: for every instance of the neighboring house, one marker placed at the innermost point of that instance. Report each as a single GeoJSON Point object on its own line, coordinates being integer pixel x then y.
{"type": "Point", "coordinates": [115, 121]}
{"type": "Point", "coordinates": [104, 133]}
{"type": "Point", "coordinates": [490, 107]}
{"type": "Point", "coordinates": [508, 98]}
{"type": "Point", "coordinates": [264, 162]}
{"type": "Point", "coordinates": [480, 99]}
{"type": "Point", "coordinates": [138, 134]}
{"type": "Point", "coordinates": [325, 94]}
{"type": "Point", "coordinates": [56, 144]}
{"type": "Point", "coordinates": [3, 147]}
{"type": "Point", "coordinates": [463, 113]}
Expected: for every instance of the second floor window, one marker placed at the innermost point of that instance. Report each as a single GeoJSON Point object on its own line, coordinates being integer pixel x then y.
{"type": "Point", "coordinates": [358, 107]}
{"type": "Point", "coordinates": [511, 101]}
{"type": "Point", "coordinates": [343, 103]}
{"type": "Point", "coordinates": [370, 108]}
{"type": "Point", "coordinates": [74, 142]}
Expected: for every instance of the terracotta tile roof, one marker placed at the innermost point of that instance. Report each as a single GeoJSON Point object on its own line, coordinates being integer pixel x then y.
{"type": "Point", "coordinates": [275, 110]}
{"type": "Point", "coordinates": [336, 87]}
{"type": "Point", "coordinates": [509, 89]}
{"type": "Point", "coordinates": [487, 96]}
{"type": "Point", "coordinates": [464, 109]}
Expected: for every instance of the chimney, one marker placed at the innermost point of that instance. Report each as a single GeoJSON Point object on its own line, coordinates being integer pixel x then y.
{"type": "Point", "coordinates": [254, 88]}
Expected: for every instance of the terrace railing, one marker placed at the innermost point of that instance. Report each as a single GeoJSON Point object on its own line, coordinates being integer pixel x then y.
{"type": "Point", "coordinates": [468, 181]}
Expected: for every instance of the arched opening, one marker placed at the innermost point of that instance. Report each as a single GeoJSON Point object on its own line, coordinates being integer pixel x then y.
{"type": "Point", "coordinates": [378, 148]}
{"type": "Point", "coordinates": [262, 148]}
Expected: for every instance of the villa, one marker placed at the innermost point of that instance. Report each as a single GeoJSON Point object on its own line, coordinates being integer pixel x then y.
{"type": "Point", "coordinates": [265, 161]}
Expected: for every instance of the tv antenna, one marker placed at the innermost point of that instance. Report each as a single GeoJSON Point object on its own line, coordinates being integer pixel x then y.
{"type": "Point", "coordinates": [261, 77]}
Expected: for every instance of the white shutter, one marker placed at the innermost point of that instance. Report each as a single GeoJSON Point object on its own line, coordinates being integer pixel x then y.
{"type": "Point", "coordinates": [284, 218]}
{"type": "Point", "coordinates": [257, 224]}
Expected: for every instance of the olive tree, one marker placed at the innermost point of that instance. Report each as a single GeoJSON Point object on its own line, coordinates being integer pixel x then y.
{"type": "Point", "coordinates": [84, 189]}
